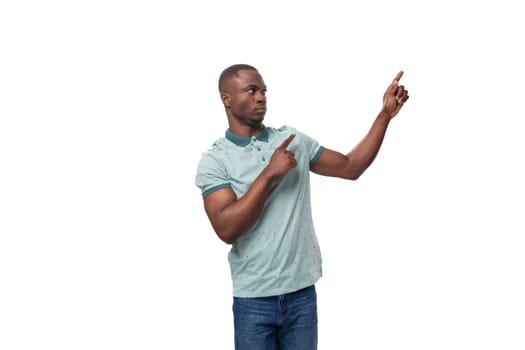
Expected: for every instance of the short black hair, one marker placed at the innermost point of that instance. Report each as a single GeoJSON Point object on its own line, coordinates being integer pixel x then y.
{"type": "Point", "coordinates": [232, 71]}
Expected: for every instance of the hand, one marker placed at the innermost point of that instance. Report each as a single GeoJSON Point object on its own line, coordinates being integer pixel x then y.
{"type": "Point", "coordinates": [282, 160]}
{"type": "Point", "coordinates": [395, 96]}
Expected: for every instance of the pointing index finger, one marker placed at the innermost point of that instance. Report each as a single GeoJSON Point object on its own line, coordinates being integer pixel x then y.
{"type": "Point", "coordinates": [398, 76]}
{"type": "Point", "coordinates": [287, 141]}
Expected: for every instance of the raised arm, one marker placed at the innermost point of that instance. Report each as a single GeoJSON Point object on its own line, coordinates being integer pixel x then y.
{"type": "Point", "coordinates": [354, 163]}
{"type": "Point", "coordinates": [230, 216]}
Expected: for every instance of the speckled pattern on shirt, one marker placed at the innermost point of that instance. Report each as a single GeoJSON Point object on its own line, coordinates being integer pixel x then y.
{"type": "Point", "coordinates": [279, 253]}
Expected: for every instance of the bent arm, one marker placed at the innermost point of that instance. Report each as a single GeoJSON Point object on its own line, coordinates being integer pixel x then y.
{"type": "Point", "coordinates": [231, 217]}
{"type": "Point", "coordinates": [354, 163]}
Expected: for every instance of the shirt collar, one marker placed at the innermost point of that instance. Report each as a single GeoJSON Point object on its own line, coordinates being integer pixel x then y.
{"type": "Point", "coordinates": [245, 141]}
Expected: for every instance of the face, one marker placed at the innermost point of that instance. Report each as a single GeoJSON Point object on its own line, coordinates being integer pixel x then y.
{"type": "Point", "coordinates": [245, 98]}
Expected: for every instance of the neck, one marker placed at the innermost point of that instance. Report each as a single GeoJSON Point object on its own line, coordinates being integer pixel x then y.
{"type": "Point", "coordinates": [246, 130]}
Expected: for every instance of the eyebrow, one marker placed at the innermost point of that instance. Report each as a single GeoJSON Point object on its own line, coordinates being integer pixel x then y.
{"type": "Point", "coordinates": [255, 87]}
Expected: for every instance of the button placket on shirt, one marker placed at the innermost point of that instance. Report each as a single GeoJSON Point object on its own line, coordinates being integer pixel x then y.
{"type": "Point", "coordinates": [258, 148]}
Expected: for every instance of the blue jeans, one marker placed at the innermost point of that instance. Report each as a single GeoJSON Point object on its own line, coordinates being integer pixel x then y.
{"type": "Point", "coordinates": [282, 322]}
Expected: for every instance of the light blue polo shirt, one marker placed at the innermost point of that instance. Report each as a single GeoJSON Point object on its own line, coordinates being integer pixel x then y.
{"type": "Point", "coordinates": [279, 254]}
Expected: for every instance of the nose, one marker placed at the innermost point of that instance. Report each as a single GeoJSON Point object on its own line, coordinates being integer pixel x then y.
{"type": "Point", "coordinates": [260, 96]}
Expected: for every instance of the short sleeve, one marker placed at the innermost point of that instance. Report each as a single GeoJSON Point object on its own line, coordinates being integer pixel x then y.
{"type": "Point", "coordinates": [211, 175]}
{"type": "Point", "coordinates": [313, 148]}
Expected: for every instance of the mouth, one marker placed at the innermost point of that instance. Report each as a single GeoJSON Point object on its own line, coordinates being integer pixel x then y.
{"type": "Point", "coordinates": [260, 109]}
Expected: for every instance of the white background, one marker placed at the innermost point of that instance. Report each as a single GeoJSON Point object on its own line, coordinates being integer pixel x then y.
{"type": "Point", "coordinates": [106, 107]}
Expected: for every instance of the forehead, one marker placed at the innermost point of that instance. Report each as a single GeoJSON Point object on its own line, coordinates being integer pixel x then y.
{"type": "Point", "coordinates": [247, 77]}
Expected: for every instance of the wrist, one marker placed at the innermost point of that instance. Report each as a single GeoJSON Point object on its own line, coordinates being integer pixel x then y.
{"type": "Point", "coordinates": [268, 174]}
{"type": "Point", "coordinates": [384, 116]}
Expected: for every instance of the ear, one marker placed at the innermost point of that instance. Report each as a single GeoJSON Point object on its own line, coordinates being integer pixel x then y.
{"type": "Point", "coordinates": [225, 100]}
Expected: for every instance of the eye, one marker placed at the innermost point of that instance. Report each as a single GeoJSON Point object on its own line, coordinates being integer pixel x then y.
{"type": "Point", "coordinates": [251, 91]}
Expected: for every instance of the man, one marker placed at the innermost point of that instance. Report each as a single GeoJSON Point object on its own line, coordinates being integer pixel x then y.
{"type": "Point", "coordinates": [256, 190]}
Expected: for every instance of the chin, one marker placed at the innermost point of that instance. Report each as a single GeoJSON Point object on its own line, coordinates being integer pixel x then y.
{"type": "Point", "coordinates": [257, 119]}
